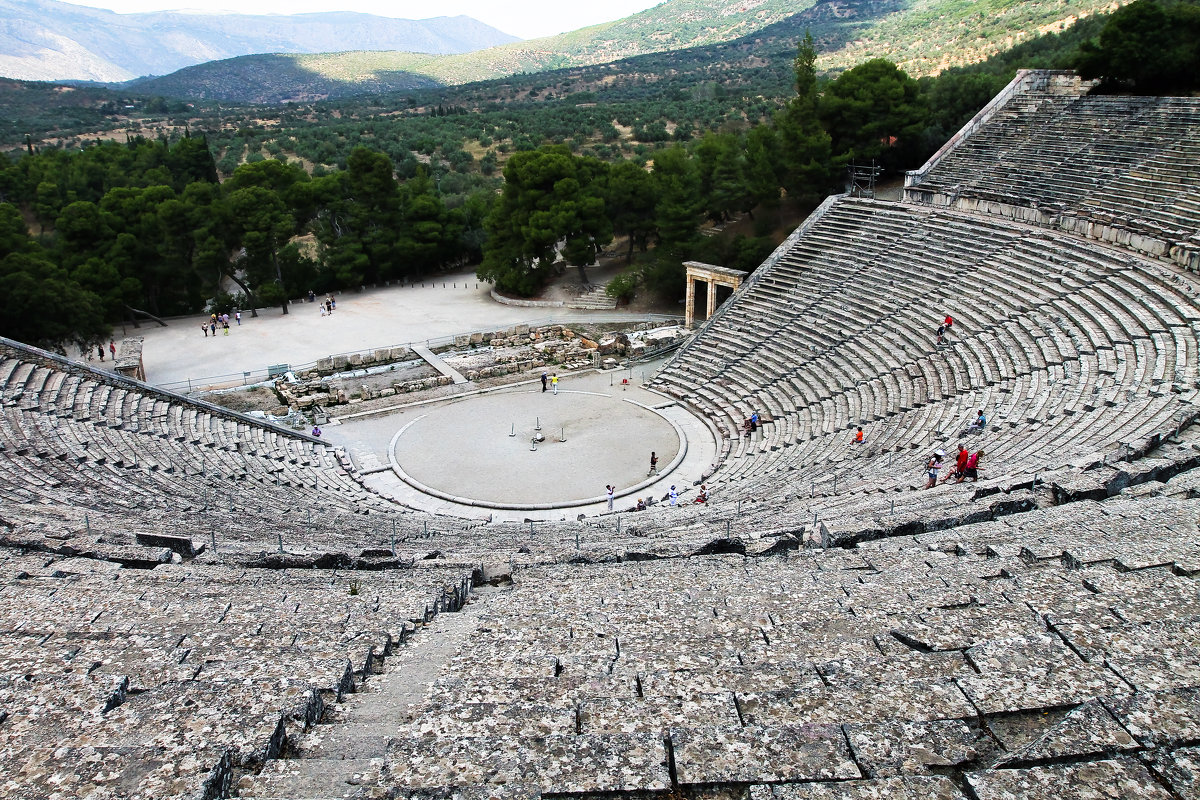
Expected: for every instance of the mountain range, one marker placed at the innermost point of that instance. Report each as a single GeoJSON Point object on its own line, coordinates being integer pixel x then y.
{"type": "Point", "coordinates": [922, 36]}
{"type": "Point", "coordinates": [53, 41]}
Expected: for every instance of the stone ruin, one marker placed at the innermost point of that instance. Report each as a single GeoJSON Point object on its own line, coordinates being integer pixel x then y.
{"type": "Point", "coordinates": [480, 355]}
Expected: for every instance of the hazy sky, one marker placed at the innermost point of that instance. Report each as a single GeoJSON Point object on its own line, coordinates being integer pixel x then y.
{"type": "Point", "coordinates": [527, 19]}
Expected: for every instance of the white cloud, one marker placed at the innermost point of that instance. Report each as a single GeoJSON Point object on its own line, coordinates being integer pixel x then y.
{"type": "Point", "coordinates": [527, 20]}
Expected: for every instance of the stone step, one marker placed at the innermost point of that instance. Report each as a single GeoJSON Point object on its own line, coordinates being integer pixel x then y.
{"type": "Point", "coordinates": [596, 299]}
{"type": "Point", "coordinates": [342, 756]}
{"type": "Point", "coordinates": [312, 778]}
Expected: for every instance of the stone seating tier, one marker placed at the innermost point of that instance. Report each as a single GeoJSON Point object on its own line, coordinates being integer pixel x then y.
{"type": "Point", "coordinates": [1120, 169]}
{"type": "Point", "coordinates": [1044, 349]}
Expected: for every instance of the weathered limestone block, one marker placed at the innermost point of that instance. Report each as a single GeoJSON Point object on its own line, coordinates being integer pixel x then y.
{"type": "Point", "coordinates": [354, 360]}
{"type": "Point", "coordinates": [324, 365]}
{"type": "Point", "coordinates": [340, 362]}
{"type": "Point", "coordinates": [383, 355]}
{"type": "Point", "coordinates": [388, 392]}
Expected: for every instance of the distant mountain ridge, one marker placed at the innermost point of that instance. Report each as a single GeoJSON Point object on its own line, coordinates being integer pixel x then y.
{"type": "Point", "coordinates": [922, 36]}
{"type": "Point", "coordinates": [50, 41]}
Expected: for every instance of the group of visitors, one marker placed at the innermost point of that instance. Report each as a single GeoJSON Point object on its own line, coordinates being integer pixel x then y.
{"type": "Point", "coordinates": [966, 465]}
{"type": "Point", "coordinates": [219, 319]}
{"type": "Point", "coordinates": [112, 349]}
{"type": "Point", "coordinates": [944, 329]}
{"type": "Point", "coordinates": [550, 379]}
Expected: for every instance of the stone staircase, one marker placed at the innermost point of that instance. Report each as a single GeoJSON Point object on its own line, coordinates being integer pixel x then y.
{"type": "Point", "coordinates": [594, 300]}
{"type": "Point", "coordinates": [344, 755]}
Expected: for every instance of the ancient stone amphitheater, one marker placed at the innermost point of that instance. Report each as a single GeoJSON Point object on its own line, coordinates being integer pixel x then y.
{"type": "Point", "coordinates": [198, 605]}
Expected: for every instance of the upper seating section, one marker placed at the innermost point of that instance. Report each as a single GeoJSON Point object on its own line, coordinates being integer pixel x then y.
{"type": "Point", "coordinates": [1119, 169]}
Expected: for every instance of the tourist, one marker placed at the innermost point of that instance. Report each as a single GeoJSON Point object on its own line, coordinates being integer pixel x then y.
{"type": "Point", "coordinates": [972, 466]}
{"type": "Point", "coordinates": [673, 496]}
{"type": "Point", "coordinates": [204, 327]}
{"type": "Point", "coordinates": [100, 351]}
{"type": "Point", "coordinates": [316, 431]}
{"type": "Point", "coordinates": [610, 490]}
{"type": "Point", "coordinates": [941, 334]}
{"type": "Point", "coordinates": [225, 325]}
{"type": "Point", "coordinates": [703, 496]}
{"type": "Point", "coordinates": [554, 382]}
{"type": "Point", "coordinates": [948, 322]}
{"type": "Point", "coordinates": [641, 506]}
{"type": "Point", "coordinates": [332, 304]}
{"type": "Point", "coordinates": [979, 424]}
{"type": "Point", "coordinates": [112, 348]}
{"type": "Point", "coordinates": [545, 380]}
{"type": "Point", "coordinates": [212, 326]}
{"type": "Point", "coordinates": [933, 466]}
{"type": "Point", "coordinates": [960, 464]}
{"type": "Point", "coordinates": [858, 435]}
{"type": "Point", "coordinates": [653, 464]}
{"type": "Point", "coordinates": [754, 420]}
{"type": "Point", "coordinates": [238, 316]}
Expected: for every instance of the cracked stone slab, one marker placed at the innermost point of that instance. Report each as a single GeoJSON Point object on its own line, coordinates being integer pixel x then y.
{"type": "Point", "coordinates": [1088, 730]}
{"type": "Point", "coordinates": [495, 719]}
{"type": "Point", "coordinates": [1032, 672]}
{"type": "Point", "coordinates": [569, 764]}
{"type": "Point", "coordinates": [899, 788]}
{"type": "Point", "coordinates": [1152, 657]}
{"type": "Point", "coordinates": [1116, 779]}
{"type": "Point", "coordinates": [896, 747]}
{"type": "Point", "coordinates": [835, 704]}
{"type": "Point", "coordinates": [958, 629]}
{"type": "Point", "coordinates": [1181, 770]}
{"type": "Point", "coordinates": [755, 754]}
{"type": "Point", "coordinates": [631, 715]}
{"type": "Point", "coordinates": [1159, 718]}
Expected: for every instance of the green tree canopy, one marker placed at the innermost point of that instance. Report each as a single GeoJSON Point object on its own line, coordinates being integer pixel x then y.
{"type": "Point", "coordinates": [1147, 48]}
{"type": "Point", "coordinates": [873, 111]}
{"type": "Point", "coordinates": [805, 149]}
{"type": "Point", "coordinates": [41, 304]}
{"type": "Point", "coordinates": [551, 198]}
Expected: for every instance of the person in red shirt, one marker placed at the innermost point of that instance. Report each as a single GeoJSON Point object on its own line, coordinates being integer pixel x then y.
{"type": "Point", "coordinates": [960, 464]}
{"type": "Point", "coordinates": [858, 436]}
{"type": "Point", "coordinates": [973, 466]}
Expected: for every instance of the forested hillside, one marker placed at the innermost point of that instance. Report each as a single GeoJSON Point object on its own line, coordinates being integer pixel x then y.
{"type": "Point", "coordinates": [330, 196]}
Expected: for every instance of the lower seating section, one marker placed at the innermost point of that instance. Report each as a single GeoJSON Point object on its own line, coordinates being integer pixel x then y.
{"type": "Point", "coordinates": [82, 448]}
{"type": "Point", "coordinates": [157, 683]}
{"type": "Point", "coordinates": [1042, 653]}
{"type": "Point", "coordinates": [1069, 348]}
